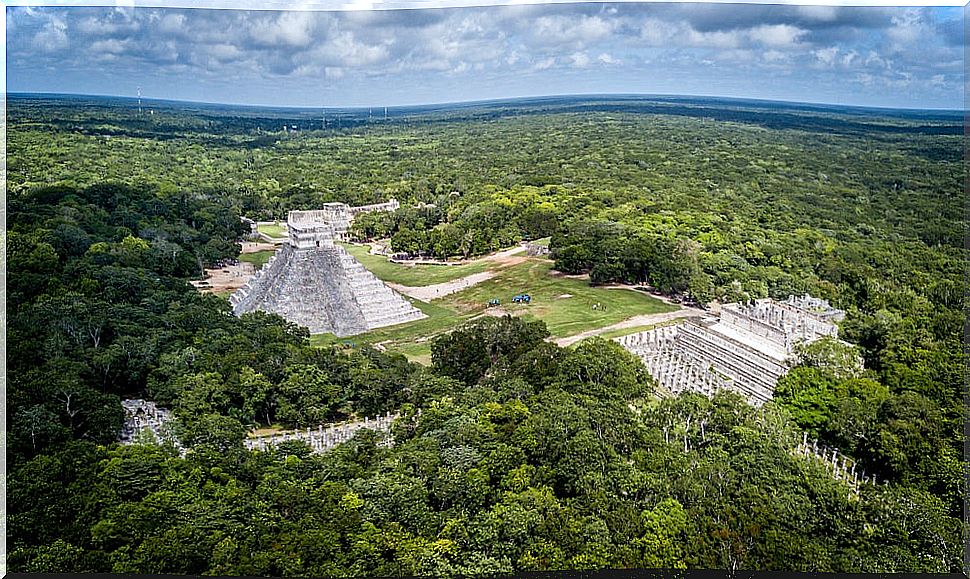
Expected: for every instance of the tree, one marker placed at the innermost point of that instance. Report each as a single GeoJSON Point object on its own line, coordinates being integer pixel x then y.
{"type": "Point", "coordinates": [662, 543]}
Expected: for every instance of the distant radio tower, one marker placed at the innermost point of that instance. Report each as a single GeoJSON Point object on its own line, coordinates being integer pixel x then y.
{"type": "Point", "coordinates": [385, 113]}
{"type": "Point", "coordinates": [139, 100]}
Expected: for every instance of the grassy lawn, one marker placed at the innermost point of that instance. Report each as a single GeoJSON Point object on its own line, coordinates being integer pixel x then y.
{"type": "Point", "coordinates": [564, 316]}
{"type": "Point", "coordinates": [278, 231]}
{"type": "Point", "coordinates": [415, 352]}
{"type": "Point", "coordinates": [412, 340]}
{"type": "Point", "coordinates": [411, 275]}
{"type": "Point", "coordinates": [258, 258]}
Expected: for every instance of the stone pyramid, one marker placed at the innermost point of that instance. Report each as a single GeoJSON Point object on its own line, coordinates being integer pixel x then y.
{"type": "Point", "coordinates": [313, 282]}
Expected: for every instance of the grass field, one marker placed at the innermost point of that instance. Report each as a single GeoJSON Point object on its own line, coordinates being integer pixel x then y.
{"type": "Point", "coordinates": [257, 258]}
{"type": "Point", "coordinates": [411, 275]}
{"type": "Point", "coordinates": [564, 316]}
{"type": "Point", "coordinates": [278, 231]}
{"type": "Point", "coordinates": [404, 338]}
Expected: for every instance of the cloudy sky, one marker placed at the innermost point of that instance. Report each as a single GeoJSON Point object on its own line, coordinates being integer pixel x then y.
{"type": "Point", "coordinates": [899, 57]}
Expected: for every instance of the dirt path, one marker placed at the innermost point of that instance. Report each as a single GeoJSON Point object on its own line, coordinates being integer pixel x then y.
{"type": "Point", "coordinates": [429, 292]}
{"type": "Point", "coordinates": [642, 320]}
{"type": "Point", "coordinates": [507, 257]}
{"type": "Point", "coordinates": [426, 293]}
{"type": "Point", "coordinates": [232, 277]}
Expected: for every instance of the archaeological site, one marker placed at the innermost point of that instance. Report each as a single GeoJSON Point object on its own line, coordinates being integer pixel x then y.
{"type": "Point", "coordinates": [313, 282]}
{"type": "Point", "coordinates": [746, 349]}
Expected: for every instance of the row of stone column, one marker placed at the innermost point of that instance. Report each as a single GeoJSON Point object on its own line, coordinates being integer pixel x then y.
{"type": "Point", "coordinates": [323, 438]}
{"type": "Point", "coordinates": [650, 340]}
{"type": "Point", "coordinates": [842, 467]}
{"type": "Point", "coordinates": [677, 373]}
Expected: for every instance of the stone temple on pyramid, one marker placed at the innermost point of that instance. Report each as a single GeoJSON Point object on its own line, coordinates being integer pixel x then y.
{"type": "Point", "coordinates": [746, 349]}
{"type": "Point", "coordinates": [315, 283]}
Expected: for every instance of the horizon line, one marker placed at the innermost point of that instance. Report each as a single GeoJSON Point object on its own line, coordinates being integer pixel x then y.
{"type": "Point", "coordinates": [487, 101]}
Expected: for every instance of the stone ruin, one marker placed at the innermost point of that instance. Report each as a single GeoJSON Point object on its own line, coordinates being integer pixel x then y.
{"type": "Point", "coordinates": [315, 283]}
{"type": "Point", "coordinates": [746, 350]}
{"type": "Point", "coordinates": [142, 415]}
{"type": "Point", "coordinates": [842, 467]}
{"type": "Point", "coordinates": [323, 438]}
{"type": "Point", "coordinates": [536, 250]}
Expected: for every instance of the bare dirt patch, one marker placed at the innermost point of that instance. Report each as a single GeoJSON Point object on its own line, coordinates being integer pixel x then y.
{"type": "Point", "coordinates": [255, 247]}
{"type": "Point", "coordinates": [229, 278]}
{"type": "Point", "coordinates": [557, 273]}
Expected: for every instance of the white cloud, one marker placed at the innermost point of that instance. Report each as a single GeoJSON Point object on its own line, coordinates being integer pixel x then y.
{"type": "Point", "coordinates": [608, 59]}
{"type": "Point", "coordinates": [172, 23]}
{"type": "Point", "coordinates": [826, 56]}
{"type": "Point", "coordinates": [566, 30]}
{"type": "Point", "coordinates": [109, 46]}
{"type": "Point", "coordinates": [224, 52]}
{"type": "Point", "coordinates": [654, 32]}
{"type": "Point", "coordinates": [716, 39]}
{"type": "Point", "coordinates": [775, 56]}
{"type": "Point", "coordinates": [294, 29]}
{"type": "Point", "coordinates": [907, 28]}
{"type": "Point", "coordinates": [344, 50]}
{"type": "Point", "coordinates": [778, 35]}
{"type": "Point", "coordinates": [544, 64]}
{"type": "Point", "coordinates": [756, 43]}
{"type": "Point", "coordinates": [53, 37]}
{"type": "Point", "coordinates": [819, 13]}
{"type": "Point", "coordinates": [579, 59]}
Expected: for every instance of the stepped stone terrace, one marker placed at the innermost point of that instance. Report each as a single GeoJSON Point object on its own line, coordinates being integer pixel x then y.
{"type": "Point", "coordinates": [746, 349]}
{"type": "Point", "coordinates": [313, 282]}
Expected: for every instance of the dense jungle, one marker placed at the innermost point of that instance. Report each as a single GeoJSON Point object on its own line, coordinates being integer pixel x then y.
{"type": "Point", "coordinates": [511, 453]}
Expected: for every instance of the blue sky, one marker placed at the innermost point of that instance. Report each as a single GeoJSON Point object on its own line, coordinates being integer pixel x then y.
{"type": "Point", "coordinates": [874, 56]}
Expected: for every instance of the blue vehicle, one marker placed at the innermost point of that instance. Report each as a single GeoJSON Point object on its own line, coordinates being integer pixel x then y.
{"type": "Point", "coordinates": [521, 299]}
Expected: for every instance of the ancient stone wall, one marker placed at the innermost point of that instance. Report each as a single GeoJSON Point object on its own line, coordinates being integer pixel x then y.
{"type": "Point", "coordinates": [144, 415]}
